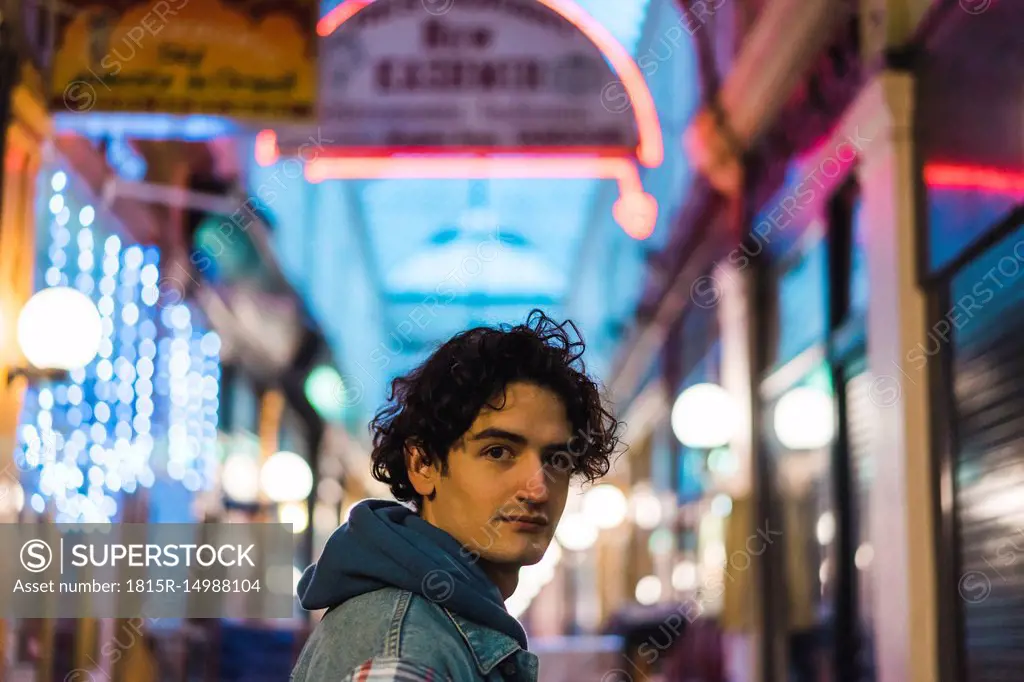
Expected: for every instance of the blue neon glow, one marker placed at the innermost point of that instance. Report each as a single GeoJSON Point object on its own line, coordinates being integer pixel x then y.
{"type": "Point", "coordinates": [124, 159]}
{"type": "Point", "coordinates": [104, 416]}
{"type": "Point", "coordinates": [196, 127]}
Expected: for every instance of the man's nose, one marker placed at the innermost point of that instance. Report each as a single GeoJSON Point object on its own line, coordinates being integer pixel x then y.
{"type": "Point", "coordinates": [536, 489]}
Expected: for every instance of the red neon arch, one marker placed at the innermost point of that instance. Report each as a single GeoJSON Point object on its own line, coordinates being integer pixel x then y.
{"type": "Point", "coordinates": [952, 176]}
{"type": "Point", "coordinates": [650, 150]}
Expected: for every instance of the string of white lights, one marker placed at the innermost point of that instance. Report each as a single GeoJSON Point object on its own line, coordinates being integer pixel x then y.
{"type": "Point", "coordinates": [87, 440]}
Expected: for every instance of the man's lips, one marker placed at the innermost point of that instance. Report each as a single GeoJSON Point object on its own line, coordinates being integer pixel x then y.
{"type": "Point", "coordinates": [533, 521]}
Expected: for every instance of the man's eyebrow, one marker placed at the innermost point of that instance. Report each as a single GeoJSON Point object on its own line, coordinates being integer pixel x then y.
{"type": "Point", "coordinates": [502, 434]}
{"type": "Point", "coordinates": [516, 438]}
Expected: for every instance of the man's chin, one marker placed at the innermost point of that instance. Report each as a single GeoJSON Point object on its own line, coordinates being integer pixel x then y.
{"type": "Point", "coordinates": [518, 556]}
{"type": "Point", "coordinates": [531, 558]}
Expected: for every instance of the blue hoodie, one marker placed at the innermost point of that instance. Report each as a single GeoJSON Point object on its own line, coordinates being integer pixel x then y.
{"type": "Point", "coordinates": [385, 544]}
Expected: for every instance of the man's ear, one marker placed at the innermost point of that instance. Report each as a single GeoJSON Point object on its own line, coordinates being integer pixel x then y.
{"type": "Point", "coordinates": [422, 471]}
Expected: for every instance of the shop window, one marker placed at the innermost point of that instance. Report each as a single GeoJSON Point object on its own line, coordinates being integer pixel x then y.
{"type": "Point", "coordinates": [847, 266]}
{"type": "Point", "coordinates": [292, 436]}
{"type": "Point", "coordinates": [802, 286]}
{"type": "Point", "coordinates": [692, 470]}
{"type": "Point", "coordinates": [960, 215]}
{"type": "Point", "coordinates": [692, 475]}
{"type": "Point", "coordinates": [805, 507]}
{"type": "Point", "coordinates": [700, 335]}
{"type": "Point", "coordinates": [662, 451]}
{"type": "Point", "coordinates": [858, 280]}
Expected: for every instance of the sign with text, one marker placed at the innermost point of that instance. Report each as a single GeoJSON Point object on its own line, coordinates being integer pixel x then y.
{"type": "Point", "coordinates": [254, 60]}
{"type": "Point", "coordinates": [484, 74]}
{"type": "Point", "coordinates": [156, 570]}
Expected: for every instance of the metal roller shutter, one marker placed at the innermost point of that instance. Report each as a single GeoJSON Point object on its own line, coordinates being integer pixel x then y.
{"type": "Point", "coordinates": [988, 377]}
{"type": "Point", "coordinates": [860, 433]}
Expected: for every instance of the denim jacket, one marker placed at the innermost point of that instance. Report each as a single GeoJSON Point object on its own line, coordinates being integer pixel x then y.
{"type": "Point", "coordinates": [394, 635]}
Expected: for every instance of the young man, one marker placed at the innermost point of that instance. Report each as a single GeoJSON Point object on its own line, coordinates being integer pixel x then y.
{"type": "Point", "coordinates": [483, 440]}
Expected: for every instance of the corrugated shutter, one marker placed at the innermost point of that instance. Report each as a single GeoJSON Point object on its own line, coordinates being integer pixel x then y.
{"type": "Point", "coordinates": [988, 375]}
{"type": "Point", "coordinates": [860, 432]}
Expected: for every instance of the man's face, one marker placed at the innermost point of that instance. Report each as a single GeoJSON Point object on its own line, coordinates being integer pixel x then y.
{"type": "Point", "coordinates": [504, 494]}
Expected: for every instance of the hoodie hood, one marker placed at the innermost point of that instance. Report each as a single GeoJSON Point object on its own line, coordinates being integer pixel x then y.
{"type": "Point", "coordinates": [385, 544]}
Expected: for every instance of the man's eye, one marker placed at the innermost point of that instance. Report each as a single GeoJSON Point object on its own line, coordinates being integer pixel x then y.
{"type": "Point", "coordinates": [498, 452]}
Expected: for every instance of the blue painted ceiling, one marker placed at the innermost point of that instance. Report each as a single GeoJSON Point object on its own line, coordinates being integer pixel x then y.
{"type": "Point", "coordinates": [488, 250]}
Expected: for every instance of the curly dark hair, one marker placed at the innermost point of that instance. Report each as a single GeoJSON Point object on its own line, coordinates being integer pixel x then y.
{"type": "Point", "coordinates": [433, 406]}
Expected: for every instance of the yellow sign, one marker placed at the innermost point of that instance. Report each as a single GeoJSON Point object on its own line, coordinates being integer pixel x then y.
{"type": "Point", "coordinates": [241, 58]}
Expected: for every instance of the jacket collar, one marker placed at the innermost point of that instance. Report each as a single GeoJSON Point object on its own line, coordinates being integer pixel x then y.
{"type": "Point", "coordinates": [489, 647]}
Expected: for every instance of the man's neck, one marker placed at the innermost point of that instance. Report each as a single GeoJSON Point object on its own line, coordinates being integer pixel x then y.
{"type": "Point", "coordinates": [504, 576]}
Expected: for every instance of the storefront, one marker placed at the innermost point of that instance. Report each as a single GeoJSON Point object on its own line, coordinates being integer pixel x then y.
{"type": "Point", "coordinates": [813, 424]}
{"type": "Point", "coordinates": [889, 376]}
{"type": "Point", "coordinates": [140, 415]}
{"type": "Point", "coordinates": [693, 541]}
{"type": "Point", "coordinates": [24, 125]}
{"type": "Point", "coordinates": [972, 262]}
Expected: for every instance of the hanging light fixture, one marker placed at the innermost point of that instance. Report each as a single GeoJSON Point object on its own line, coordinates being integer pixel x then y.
{"type": "Point", "coordinates": [59, 328]}
{"type": "Point", "coordinates": [576, 532]}
{"type": "Point", "coordinates": [645, 506]}
{"type": "Point", "coordinates": [648, 590]}
{"type": "Point", "coordinates": [325, 391]}
{"type": "Point", "coordinates": [804, 419]}
{"type": "Point", "coordinates": [286, 477]}
{"type": "Point", "coordinates": [295, 514]}
{"type": "Point", "coordinates": [241, 478]}
{"type": "Point", "coordinates": [606, 505]}
{"type": "Point", "coordinates": [704, 416]}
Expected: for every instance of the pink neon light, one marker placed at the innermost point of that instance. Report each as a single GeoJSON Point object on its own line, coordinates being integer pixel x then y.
{"type": "Point", "coordinates": [974, 177]}
{"type": "Point", "coordinates": [330, 22]}
{"type": "Point", "coordinates": [650, 151]}
{"type": "Point", "coordinates": [528, 152]}
{"type": "Point", "coordinates": [266, 148]}
{"type": "Point", "coordinates": [635, 210]}
{"type": "Point", "coordinates": [637, 214]}
{"type": "Point", "coordinates": [434, 167]}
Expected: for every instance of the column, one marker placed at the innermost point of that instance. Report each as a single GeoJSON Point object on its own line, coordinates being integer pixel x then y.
{"type": "Point", "coordinates": [22, 156]}
{"type": "Point", "coordinates": [902, 503]}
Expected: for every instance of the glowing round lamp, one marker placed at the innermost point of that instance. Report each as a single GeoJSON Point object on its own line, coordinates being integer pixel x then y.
{"type": "Point", "coordinates": [646, 507]}
{"type": "Point", "coordinates": [60, 329]}
{"type": "Point", "coordinates": [723, 461]}
{"type": "Point", "coordinates": [286, 477]}
{"type": "Point", "coordinates": [295, 514]}
{"type": "Point", "coordinates": [704, 416]}
{"type": "Point", "coordinates": [721, 505]}
{"type": "Point", "coordinates": [324, 391]}
{"type": "Point", "coordinates": [684, 576]}
{"type": "Point", "coordinates": [804, 419]}
{"type": "Point", "coordinates": [575, 532]}
{"type": "Point", "coordinates": [825, 529]}
{"type": "Point", "coordinates": [240, 478]}
{"type": "Point", "coordinates": [605, 505]}
{"type": "Point", "coordinates": [648, 590]}
{"type": "Point", "coordinates": [661, 542]}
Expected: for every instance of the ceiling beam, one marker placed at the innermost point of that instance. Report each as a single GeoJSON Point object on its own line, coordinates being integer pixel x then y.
{"type": "Point", "coordinates": [361, 230]}
{"type": "Point", "coordinates": [432, 299]}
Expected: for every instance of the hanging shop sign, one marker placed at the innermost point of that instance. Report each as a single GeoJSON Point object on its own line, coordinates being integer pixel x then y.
{"type": "Point", "coordinates": [484, 73]}
{"type": "Point", "coordinates": [477, 89]}
{"type": "Point", "coordinates": [215, 57]}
